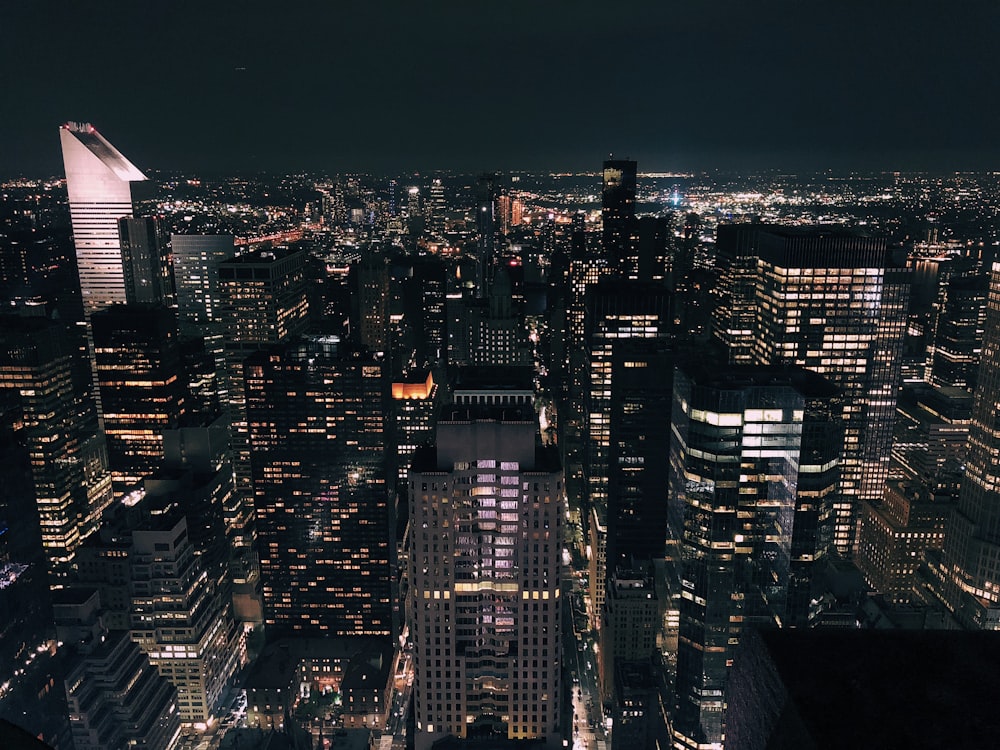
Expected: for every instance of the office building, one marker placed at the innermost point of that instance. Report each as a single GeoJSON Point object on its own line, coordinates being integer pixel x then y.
{"type": "Point", "coordinates": [618, 208]}
{"type": "Point", "coordinates": [486, 193]}
{"type": "Point", "coordinates": [638, 440]}
{"type": "Point", "coordinates": [736, 458]}
{"type": "Point", "coordinates": [196, 261]}
{"type": "Point", "coordinates": [29, 697]}
{"type": "Point", "coordinates": [316, 412]}
{"type": "Point", "coordinates": [497, 335]}
{"type": "Point", "coordinates": [649, 244]}
{"type": "Point", "coordinates": [262, 300]}
{"type": "Point", "coordinates": [958, 334]}
{"type": "Point", "coordinates": [370, 299]}
{"type": "Point", "coordinates": [116, 697]}
{"type": "Point", "coordinates": [155, 583]}
{"type": "Point", "coordinates": [415, 401]}
{"type": "Point", "coordinates": [618, 313]}
{"type": "Point", "coordinates": [145, 263]}
{"type": "Point", "coordinates": [484, 608]}
{"type": "Point", "coordinates": [833, 301]}
{"type": "Point", "coordinates": [631, 624]}
{"type": "Point", "coordinates": [932, 431]}
{"type": "Point", "coordinates": [72, 485]}
{"type": "Point", "coordinates": [140, 379]}
{"type": "Point", "coordinates": [911, 519]}
{"type": "Point", "coordinates": [99, 182]}
{"type": "Point", "coordinates": [969, 565]}
{"type": "Point", "coordinates": [190, 636]}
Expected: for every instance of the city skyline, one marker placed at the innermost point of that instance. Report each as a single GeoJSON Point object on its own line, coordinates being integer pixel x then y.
{"type": "Point", "coordinates": [397, 86]}
{"type": "Point", "coordinates": [484, 456]}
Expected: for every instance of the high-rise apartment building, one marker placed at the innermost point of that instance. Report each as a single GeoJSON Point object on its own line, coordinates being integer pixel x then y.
{"type": "Point", "coordinates": [316, 415]}
{"type": "Point", "coordinates": [484, 608]}
{"type": "Point", "coordinates": [833, 301]}
{"type": "Point", "coordinates": [139, 375]}
{"type": "Point", "coordinates": [738, 453]}
{"type": "Point", "coordinates": [98, 180]}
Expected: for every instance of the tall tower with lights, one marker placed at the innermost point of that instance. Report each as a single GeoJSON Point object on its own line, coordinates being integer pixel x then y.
{"type": "Point", "coordinates": [486, 510]}
{"type": "Point", "coordinates": [99, 183]}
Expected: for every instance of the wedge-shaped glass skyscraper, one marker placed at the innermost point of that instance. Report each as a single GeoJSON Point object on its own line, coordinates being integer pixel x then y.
{"type": "Point", "coordinates": [99, 182]}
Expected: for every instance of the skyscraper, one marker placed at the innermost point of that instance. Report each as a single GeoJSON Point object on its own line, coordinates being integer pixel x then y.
{"type": "Point", "coordinates": [969, 565]}
{"type": "Point", "coordinates": [736, 460]}
{"type": "Point", "coordinates": [71, 483]}
{"type": "Point", "coordinates": [145, 263]}
{"type": "Point", "coordinates": [316, 415]}
{"type": "Point", "coordinates": [618, 312]}
{"type": "Point", "coordinates": [98, 180]}
{"type": "Point", "coordinates": [833, 301]}
{"type": "Point", "coordinates": [486, 194]}
{"type": "Point", "coordinates": [958, 334]}
{"type": "Point", "coordinates": [196, 271]}
{"type": "Point", "coordinates": [138, 366]}
{"type": "Point", "coordinates": [262, 302]}
{"type": "Point", "coordinates": [486, 511]}
{"type": "Point", "coordinates": [618, 208]}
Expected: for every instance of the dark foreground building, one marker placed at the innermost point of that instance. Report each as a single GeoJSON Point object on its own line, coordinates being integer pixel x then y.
{"type": "Point", "coordinates": [849, 689]}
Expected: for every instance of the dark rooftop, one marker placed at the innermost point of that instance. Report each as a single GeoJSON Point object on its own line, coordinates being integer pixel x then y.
{"type": "Point", "coordinates": [865, 688]}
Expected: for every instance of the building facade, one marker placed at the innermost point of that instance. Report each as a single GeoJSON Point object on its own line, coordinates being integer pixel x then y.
{"type": "Point", "coordinates": [485, 613]}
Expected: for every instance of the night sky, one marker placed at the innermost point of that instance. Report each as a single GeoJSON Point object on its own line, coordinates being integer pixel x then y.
{"type": "Point", "coordinates": [388, 87]}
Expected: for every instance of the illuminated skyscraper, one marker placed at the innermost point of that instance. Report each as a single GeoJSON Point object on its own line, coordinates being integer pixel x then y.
{"type": "Point", "coordinates": [415, 402]}
{"type": "Point", "coordinates": [958, 335]}
{"type": "Point", "coordinates": [835, 302]}
{"type": "Point", "coordinates": [71, 482]}
{"type": "Point", "coordinates": [139, 375]}
{"type": "Point", "coordinates": [262, 302]}
{"type": "Point", "coordinates": [969, 566]}
{"type": "Point", "coordinates": [98, 180]}
{"type": "Point", "coordinates": [197, 258]}
{"type": "Point", "coordinates": [316, 415]}
{"type": "Point", "coordinates": [439, 206]}
{"type": "Point", "coordinates": [745, 443]}
{"type": "Point", "coordinates": [485, 614]}
{"type": "Point", "coordinates": [204, 647]}
{"type": "Point", "coordinates": [618, 312]}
